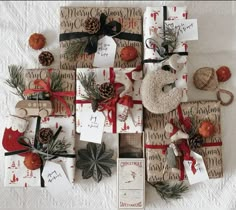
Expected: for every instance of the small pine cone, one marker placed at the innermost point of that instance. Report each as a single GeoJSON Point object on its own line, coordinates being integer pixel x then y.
{"type": "Point", "coordinates": [195, 142]}
{"type": "Point", "coordinates": [94, 105]}
{"type": "Point", "coordinates": [92, 25]}
{"type": "Point", "coordinates": [46, 58]}
{"type": "Point", "coordinates": [45, 135]}
{"type": "Point", "coordinates": [106, 90]}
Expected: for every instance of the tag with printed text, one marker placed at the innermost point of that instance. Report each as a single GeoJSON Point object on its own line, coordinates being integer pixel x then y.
{"type": "Point", "coordinates": [92, 125]}
{"type": "Point", "coordinates": [106, 52]}
{"type": "Point", "coordinates": [55, 179]}
{"type": "Point", "coordinates": [201, 173]}
{"type": "Point", "coordinates": [187, 29]}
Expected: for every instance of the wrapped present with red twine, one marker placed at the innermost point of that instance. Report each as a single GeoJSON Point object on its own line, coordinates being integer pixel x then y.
{"type": "Point", "coordinates": [40, 80]}
{"type": "Point", "coordinates": [123, 112]}
{"type": "Point", "coordinates": [188, 116]}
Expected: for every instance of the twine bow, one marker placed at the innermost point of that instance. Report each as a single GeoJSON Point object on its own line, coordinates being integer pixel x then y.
{"type": "Point", "coordinates": [46, 87]}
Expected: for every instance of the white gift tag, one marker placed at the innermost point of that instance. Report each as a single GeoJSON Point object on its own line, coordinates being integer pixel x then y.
{"type": "Point", "coordinates": [55, 179]}
{"type": "Point", "coordinates": [92, 125]}
{"type": "Point", "coordinates": [188, 29]}
{"type": "Point", "coordinates": [106, 52]}
{"type": "Point", "coordinates": [201, 173]}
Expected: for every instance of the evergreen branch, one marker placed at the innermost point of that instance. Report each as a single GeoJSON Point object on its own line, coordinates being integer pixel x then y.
{"type": "Point", "coordinates": [75, 48]}
{"type": "Point", "coordinates": [56, 82]}
{"type": "Point", "coordinates": [16, 80]}
{"type": "Point", "coordinates": [90, 87]}
{"type": "Point", "coordinates": [170, 191]}
{"type": "Point", "coordinates": [170, 37]}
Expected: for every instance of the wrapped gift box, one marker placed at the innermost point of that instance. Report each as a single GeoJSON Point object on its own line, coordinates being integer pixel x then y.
{"type": "Point", "coordinates": [17, 175]}
{"type": "Point", "coordinates": [72, 21]}
{"type": "Point", "coordinates": [156, 139]}
{"type": "Point", "coordinates": [68, 78]}
{"type": "Point", "coordinates": [134, 122]}
{"type": "Point", "coordinates": [152, 28]}
{"type": "Point", "coordinates": [131, 183]}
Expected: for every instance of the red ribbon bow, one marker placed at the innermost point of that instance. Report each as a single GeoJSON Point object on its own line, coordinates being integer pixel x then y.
{"type": "Point", "coordinates": [46, 87]}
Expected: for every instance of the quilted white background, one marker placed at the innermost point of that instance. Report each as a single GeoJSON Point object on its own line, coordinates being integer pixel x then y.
{"type": "Point", "coordinates": [216, 46]}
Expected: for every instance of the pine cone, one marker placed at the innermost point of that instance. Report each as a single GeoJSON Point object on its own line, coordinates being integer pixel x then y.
{"type": "Point", "coordinates": [92, 25]}
{"type": "Point", "coordinates": [195, 142]}
{"type": "Point", "coordinates": [46, 58]}
{"type": "Point", "coordinates": [45, 135]}
{"type": "Point", "coordinates": [107, 90]}
{"type": "Point", "coordinates": [94, 105]}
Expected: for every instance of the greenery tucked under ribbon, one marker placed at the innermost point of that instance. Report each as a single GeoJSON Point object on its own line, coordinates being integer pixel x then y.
{"type": "Point", "coordinates": [55, 148]}
{"type": "Point", "coordinates": [87, 42]}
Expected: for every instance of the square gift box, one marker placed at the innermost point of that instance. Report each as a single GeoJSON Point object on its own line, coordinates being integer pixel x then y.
{"type": "Point", "coordinates": [72, 28]}
{"type": "Point", "coordinates": [153, 21]}
{"type": "Point", "coordinates": [156, 140]}
{"type": "Point", "coordinates": [17, 175]}
{"type": "Point", "coordinates": [68, 84]}
{"type": "Point", "coordinates": [134, 122]}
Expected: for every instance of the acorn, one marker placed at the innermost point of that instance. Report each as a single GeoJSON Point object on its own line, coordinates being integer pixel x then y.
{"type": "Point", "coordinates": [37, 41]}
{"type": "Point", "coordinates": [205, 79]}
{"type": "Point", "coordinates": [129, 53]}
{"type": "Point", "coordinates": [206, 129]}
{"type": "Point", "coordinates": [32, 161]}
{"type": "Point", "coordinates": [223, 73]}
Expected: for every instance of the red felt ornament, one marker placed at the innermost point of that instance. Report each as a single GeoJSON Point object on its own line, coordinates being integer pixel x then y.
{"type": "Point", "coordinates": [15, 129]}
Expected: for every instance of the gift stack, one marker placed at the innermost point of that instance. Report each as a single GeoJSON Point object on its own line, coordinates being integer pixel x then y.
{"type": "Point", "coordinates": [37, 133]}
{"type": "Point", "coordinates": [106, 89]}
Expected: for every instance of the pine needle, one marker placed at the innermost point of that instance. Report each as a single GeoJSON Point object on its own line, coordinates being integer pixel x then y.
{"type": "Point", "coordinates": [90, 87]}
{"type": "Point", "coordinates": [56, 82]}
{"type": "Point", "coordinates": [170, 191]}
{"type": "Point", "coordinates": [75, 48]}
{"type": "Point", "coordinates": [16, 80]}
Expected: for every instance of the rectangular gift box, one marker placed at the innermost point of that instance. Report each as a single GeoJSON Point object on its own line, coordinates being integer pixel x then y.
{"type": "Point", "coordinates": [72, 26]}
{"type": "Point", "coordinates": [17, 175]}
{"type": "Point", "coordinates": [153, 21]}
{"type": "Point", "coordinates": [134, 122]}
{"type": "Point", "coordinates": [156, 139]}
{"type": "Point", "coordinates": [68, 80]}
{"type": "Point", "coordinates": [131, 183]}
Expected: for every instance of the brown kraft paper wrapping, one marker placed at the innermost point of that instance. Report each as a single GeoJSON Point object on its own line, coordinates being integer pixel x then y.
{"type": "Point", "coordinates": [68, 85]}
{"type": "Point", "coordinates": [155, 135]}
{"type": "Point", "coordinates": [72, 20]}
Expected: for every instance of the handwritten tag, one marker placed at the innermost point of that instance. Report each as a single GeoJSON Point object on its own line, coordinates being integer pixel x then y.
{"type": "Point", "coordinates": [106, 52]}
{"type": "Point", "coordinates": [201, 173]}
{"type": "Point", "coordinates": [55, 179]}
{"type": "Point", "coordinates": [92, 124]}
{"type": "Point", "coordinates": [187, 29]}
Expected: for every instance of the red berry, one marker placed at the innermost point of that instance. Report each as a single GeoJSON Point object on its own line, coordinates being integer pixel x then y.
{"type": "Point", "coordinates": [223, 74]}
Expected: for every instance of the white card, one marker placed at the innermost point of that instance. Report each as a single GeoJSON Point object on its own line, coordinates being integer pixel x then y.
{"type": "Point", "coordinates": [106, 52]}
{"type": "Point", "coordinates": [92, 125]}
{"type": "Point", "coordinates": [55, 179]}
{"type": "Point", "coordinates": [188, 29]}
{"type": "Point", "coordinates": [201, 173]}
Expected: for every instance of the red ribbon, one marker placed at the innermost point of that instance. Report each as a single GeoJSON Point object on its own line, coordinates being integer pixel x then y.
{"type": "Point", "coordinates": [46, 87]}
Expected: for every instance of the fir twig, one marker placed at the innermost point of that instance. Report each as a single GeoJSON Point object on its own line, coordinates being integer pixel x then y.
{"type": "Point", "coordinates": [170, 191]}
{"type": "Point", "coordinates": [56, 82]}
{"type": "Point", "coordinates": [170, 37]}
{"type": "Point", "coordinates": [16, 80]}
{"type": "Point", "coordinates": [75, 48]}
{"type": "Point", "coordinates": [90, 87]}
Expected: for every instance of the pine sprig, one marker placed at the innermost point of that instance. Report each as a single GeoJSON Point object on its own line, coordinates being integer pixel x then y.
{"type": "Point", "coordinates": [16, 80]}
{"type": "Point", "coordinates": [170, 191]}
{"type": "Point", "coordinates": [170, 37]}
{"type": "Point", "coordinates": [75, 48]}
{"type": "Point", "coordinates": [56, 82]}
